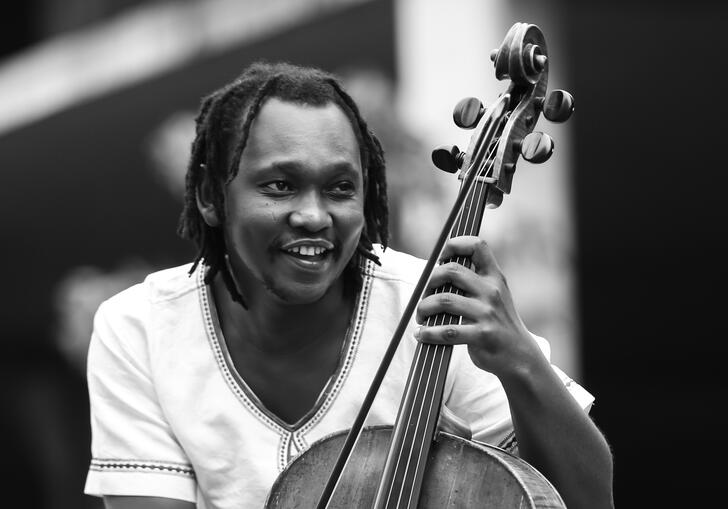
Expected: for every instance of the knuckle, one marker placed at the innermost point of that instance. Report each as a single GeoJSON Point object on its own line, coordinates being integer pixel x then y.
{"type": "Point", "coordinates": [450, 333]}
{"type": "Point", "coordinates": [497, 293]}
{"type": "Point", "coordinates": [453, 269]}
{"type": "Point", "coordinates": [488, 316]}
{"type": "Point", "coordinates": [447, 300]}
{"type": "Point", "coordinates": [492, 292]}
{"type": "Point", "coordinates": [502, 280]}
{"type": "Point", "coordinates": [483, 330]}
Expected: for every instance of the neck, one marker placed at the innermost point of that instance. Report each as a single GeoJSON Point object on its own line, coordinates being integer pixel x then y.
{"type": "Point", "coordinates": [275, 327]}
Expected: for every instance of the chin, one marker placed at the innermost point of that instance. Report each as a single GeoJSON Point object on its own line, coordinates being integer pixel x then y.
{"type": "Point", "coordinates": [300, 294]}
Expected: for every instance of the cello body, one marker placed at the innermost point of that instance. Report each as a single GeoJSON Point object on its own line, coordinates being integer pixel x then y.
{"type": "Point", "coordinates": [460, 473]}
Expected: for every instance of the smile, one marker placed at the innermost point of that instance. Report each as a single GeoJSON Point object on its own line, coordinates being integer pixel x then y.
{"type": "Point", "coordinates": [307, 250]}
{"type": "Point", "coordinates": [309, 253]}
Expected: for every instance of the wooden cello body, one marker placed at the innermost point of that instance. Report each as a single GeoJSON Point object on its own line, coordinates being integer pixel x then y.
{"type": "Point", "coordinates": [460, 473]}
{"type": "Point", "coordinates": [410, 464]}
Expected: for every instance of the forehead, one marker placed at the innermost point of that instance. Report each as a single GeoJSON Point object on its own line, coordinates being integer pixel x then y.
{"type": "Point", "coordinates": [293, 135]}
{"type": "Point", "coordinates": [284, 129]}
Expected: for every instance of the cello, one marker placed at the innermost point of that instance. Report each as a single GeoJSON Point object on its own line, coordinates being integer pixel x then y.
{"type": "Point", "coordinates": [412, 464]}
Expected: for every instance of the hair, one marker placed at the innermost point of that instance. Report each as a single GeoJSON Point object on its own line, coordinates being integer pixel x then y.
{"type": "Point", "coordinates": [222, 128]}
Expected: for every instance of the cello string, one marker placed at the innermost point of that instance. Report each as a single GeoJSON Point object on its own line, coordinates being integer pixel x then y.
{"type": "Point", "coordinates": [408, 464]}
{"type": "Point", "coordinates": [481, 193]}
{"type": "Point", "coordinates": [475, 194]}
{"type": "Point", "coordinates": [393, 485]}
{"type": "Point", "coordinates": [439, 350]}
{"type": "Point", "coordinates": [443, 360]}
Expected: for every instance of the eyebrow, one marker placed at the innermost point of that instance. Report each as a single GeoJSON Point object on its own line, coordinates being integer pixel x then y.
{"type": "Point", "coordinates": [293, 167]}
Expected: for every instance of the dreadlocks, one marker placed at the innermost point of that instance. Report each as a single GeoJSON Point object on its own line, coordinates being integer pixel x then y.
{"type": "Point", "coordinates": [222, 129]}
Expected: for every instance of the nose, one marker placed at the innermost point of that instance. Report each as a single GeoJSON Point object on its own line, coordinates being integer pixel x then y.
{"type": "Point", "coordinates": [310, 213]}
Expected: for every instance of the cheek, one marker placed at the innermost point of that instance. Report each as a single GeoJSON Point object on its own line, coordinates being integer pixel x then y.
{"type": "Point", "coordinates": [252, 228]}
{"type": "Point", "coordinates": [353, 222]}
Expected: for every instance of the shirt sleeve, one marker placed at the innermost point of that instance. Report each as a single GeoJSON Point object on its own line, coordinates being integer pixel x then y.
{"type": "Point", "coordinates": [134, 451]}
{"type": "Point", "coordinates": [477, 401]}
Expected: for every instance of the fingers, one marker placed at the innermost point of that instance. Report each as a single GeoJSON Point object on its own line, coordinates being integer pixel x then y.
{"type": "Point", "coordinates": [446, 302]}
{"type": "Point", "coordinates": [474, 248]}
{"type": "Point", "coordinates": [448, 334]}
{"type": "Point", "coordinates": [484, 270]}
{"type": "Point", "coordinates": [457, 275]}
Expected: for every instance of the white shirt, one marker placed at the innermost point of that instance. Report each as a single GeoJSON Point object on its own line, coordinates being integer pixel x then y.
{"type": "Point", "coordinates": [171, 417]}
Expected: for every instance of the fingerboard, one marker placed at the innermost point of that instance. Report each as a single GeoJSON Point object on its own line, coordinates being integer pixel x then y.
{"type": "Point", "coordinates": [416, 423]}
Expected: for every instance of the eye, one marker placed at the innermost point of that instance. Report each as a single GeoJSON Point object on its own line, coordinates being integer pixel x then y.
{"type": "Point", "coordinates": [343, 189]}
{"type": "Point", "coordinates": [277, 187]}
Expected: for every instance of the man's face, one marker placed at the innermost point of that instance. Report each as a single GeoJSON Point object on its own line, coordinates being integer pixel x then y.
{"type": "Point", "coordinates": [295, 211]}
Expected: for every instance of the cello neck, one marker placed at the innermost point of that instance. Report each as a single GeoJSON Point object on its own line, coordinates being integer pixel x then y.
{"type": "Point", "coordinates": [419, 411]}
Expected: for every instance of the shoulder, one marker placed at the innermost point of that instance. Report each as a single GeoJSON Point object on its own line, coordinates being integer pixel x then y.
{"type": "Point", "coordinates": [397, 266]}
{"type": "Point", "coordinates": [124, 323]}
{"type": "Point", "coordinates": [135, 303]}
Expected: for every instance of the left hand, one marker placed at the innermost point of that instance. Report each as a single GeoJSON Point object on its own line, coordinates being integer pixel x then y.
{"type": "Point", "coordinates": [496, 337]}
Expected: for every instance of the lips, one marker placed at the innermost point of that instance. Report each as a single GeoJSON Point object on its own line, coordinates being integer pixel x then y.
{"type": "Point", "coordinates": [309, 253]}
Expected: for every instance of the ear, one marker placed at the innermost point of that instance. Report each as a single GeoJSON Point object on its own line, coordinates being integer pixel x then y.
{"type": "Point", "coordinates": [203, 195]}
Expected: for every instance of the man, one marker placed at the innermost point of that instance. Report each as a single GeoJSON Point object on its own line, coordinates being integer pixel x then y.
{"type": "Point", "coordinates": [206, 380]}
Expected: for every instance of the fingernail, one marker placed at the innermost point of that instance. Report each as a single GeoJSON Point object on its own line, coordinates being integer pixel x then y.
{"type": "Point", "coordinates": [418, 331]}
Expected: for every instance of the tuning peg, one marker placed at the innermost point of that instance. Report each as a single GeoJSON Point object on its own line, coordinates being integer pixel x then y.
{"type": "Point", "coordinates": [534, 59]}
{"type": "Point", "coordinates": [558, 106]}
{"type": "Point", "coordinates": [467, 112]}
{"type": "Point", "coordinates": [448, 158]}
{"type": "Point", "coordinates": [537, 147]}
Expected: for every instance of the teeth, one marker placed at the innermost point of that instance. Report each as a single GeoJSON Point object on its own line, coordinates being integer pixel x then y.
{"type": "Point", "coordinates": [307, 250]}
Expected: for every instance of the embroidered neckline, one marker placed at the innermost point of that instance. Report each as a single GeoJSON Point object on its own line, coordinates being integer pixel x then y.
{"type": "Point", "coordinates": [246, 395]}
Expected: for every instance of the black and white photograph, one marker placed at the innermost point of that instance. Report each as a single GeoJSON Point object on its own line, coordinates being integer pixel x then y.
{"type": "Point", "coordinates": [363, 254]}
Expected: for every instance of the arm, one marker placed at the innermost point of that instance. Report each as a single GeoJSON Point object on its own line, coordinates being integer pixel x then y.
{"type": "Point", "coordinates": [554, 434]}
{"type": "Point", "coordinates": [145, 503]}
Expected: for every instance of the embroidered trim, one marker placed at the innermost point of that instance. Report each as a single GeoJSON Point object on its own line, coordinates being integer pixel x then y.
{"type": "Point", "coordinates": [300, 441]}
{"type": "Point", "coordinates": [119, 465]}
{"type": "Point", "coordinates": [220, 357]}
{"type": "Point", "coordinates": [284, 450]}
{"type": "Point", "coordinates": [509, 443]}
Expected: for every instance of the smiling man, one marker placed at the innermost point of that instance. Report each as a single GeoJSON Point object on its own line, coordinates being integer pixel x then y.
{"type": "Point", "coordinates": [207, 380]}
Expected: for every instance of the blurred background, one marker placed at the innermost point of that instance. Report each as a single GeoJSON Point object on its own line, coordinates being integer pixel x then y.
{"type": "Point", "coordinates": [613, 248]}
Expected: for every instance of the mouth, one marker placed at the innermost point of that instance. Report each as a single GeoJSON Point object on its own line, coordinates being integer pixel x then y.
{"type": "Point", "coordinates": [311, 253]}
